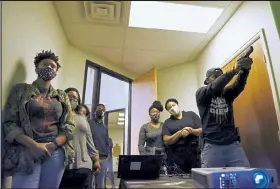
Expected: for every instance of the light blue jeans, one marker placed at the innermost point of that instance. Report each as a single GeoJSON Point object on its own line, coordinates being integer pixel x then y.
{"type": "Point", "coordinates": [110, 172]}
{"type": "Point", "coordinates": [99, 180]}
{"type": "Point", "coordinates": [231, 155]}
{"type": "Point", "coordinates": [45, 175]}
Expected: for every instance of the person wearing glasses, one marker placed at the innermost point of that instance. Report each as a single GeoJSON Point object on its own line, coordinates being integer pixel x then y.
{"type": "Point", "coordinates": [79, 174]}
{"type": "Point", "coordinates": [215, 104]}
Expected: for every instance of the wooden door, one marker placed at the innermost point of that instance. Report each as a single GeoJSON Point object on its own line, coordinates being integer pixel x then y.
{"type": "Point", "coordinates": [255, 114]}
{"type": "Point", "coordinates": [144, 92]}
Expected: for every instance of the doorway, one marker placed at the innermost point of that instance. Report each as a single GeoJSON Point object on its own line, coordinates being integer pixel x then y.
{"type": "Point", "coordinates": [115, 119]}
{"type": "Point", "coordinates": [255, 114]}
{"type": "Point", "coordinates": [104, 86]}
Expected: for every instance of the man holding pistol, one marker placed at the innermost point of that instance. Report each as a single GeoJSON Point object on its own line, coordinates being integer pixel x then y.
{"type": "Point", "coordinates": [221, 138]}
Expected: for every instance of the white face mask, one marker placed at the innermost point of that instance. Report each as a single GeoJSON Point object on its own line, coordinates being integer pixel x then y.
{"type": "Point", "coordinates": [174, 110]}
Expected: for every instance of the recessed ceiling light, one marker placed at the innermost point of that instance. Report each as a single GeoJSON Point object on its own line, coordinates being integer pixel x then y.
{"type": "Point", "coordinates": [171, 16]}
{"type": "Point", "coordinates": [121, 119]}
{"type": "Point", "coordinates": [120, 123]}
{"type": "Point", "coordinates": [121, 114]}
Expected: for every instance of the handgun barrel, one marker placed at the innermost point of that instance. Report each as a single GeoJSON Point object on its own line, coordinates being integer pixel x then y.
{"type": "Point", "coordinates": [248, 51]}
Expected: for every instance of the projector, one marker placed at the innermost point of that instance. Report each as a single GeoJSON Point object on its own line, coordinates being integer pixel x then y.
{"type": "Point", "coordinates": [234, 177]}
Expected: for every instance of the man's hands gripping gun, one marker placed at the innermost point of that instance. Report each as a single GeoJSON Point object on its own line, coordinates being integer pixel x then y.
{"type": "Point", "coordinates": [244, 62]}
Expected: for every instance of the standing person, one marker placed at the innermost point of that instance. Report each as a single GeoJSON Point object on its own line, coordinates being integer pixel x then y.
{"type": "Point", "coordinates": [101, 140]}
{"type": "Point", "coordinates": [180, 134]}
{"type": "Point", "coordinates": [79, 174]}
{"type": "Point", "coordinates": [83, 109]}
{"type": "Point", "coordinates": [215, 104]}
{"type": "Point", "coordinates": [150, 135]}
{"type": "Point", "coordinates": [110, 164]}
{"type": "Point", "coordinates": [38, 128]}
{"type": "Point", "coordinates": [116, 150]}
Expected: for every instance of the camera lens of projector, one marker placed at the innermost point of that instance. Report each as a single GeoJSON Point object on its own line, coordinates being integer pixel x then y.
{"type": "Point", "coordinates": [261, 180]}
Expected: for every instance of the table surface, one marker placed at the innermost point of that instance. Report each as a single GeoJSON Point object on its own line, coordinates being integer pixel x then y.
{"type": "Point", "coordinates": [162, 182]}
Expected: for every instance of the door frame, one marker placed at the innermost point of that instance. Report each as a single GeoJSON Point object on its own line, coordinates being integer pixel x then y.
{"type": "Point", "coordinates": [275, 92]}
{"type": "Point", "coordinates": [106, 122]}
{"type": "Point", "coordinates": [96, 94]}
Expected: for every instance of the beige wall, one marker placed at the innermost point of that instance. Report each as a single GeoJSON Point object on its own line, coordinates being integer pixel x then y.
{"type": "Point", "coordinates": [28, 28]}
{"type": "Point", "coordinates": [179, 82]}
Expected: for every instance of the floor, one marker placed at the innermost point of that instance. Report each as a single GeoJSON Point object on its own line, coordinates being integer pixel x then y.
{"type": "Point", "coordinates": [108, 183]}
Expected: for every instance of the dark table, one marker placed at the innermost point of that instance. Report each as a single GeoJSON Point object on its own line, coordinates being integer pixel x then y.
{"type": "Point", "coordinates": [162, 182]}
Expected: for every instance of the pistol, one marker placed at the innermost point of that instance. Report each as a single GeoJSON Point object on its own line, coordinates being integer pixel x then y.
{"type": "Point", "coordinates": [246, 53]}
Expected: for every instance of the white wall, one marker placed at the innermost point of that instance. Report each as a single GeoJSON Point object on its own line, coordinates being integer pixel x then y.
{"type": "Point", "coordinates": [28, 28]}
{"type": "Point", "coordinates": [116, 133]}
{"type": "Point", "coordinates": [246, 22]}
{"type": "Point", "coordinates": [179, 82]}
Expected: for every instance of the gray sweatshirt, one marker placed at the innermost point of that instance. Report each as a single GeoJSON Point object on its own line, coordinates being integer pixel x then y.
{"type": "Point", "coordinates": [83, 144]}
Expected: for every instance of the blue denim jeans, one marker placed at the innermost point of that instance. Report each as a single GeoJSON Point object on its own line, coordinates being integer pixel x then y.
{"type": "Point", "coordinates": [99, 180]}
{"type": "Point", "coordinates": [45, 175]}
{"type": "Point", "coordinates": [231, 155]}
{"type": "Point", "coordinates": [110, 172]}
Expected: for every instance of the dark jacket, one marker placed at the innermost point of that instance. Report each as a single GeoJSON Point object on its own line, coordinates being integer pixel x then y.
{"type": "Point", "coordinates": [16, 121]}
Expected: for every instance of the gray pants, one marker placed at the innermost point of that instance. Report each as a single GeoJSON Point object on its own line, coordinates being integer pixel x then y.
{"type": "Point", "coordinates": [231, 155]}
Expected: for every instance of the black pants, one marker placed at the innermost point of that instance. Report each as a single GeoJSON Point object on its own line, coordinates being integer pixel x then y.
{"type": "Point", "coordinates": [185, 157]}
{"type": "Point", "coordinates": [76, 179]}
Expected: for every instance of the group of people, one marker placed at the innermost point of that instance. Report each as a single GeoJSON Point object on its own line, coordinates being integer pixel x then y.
{"type": "Point", "coordinates": [211, 140]}
{"type": "Point", "coordinates": [49, 140]}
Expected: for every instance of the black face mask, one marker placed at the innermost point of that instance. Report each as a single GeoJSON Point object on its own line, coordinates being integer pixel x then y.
{"type": "Point", "coordinates": [99, 113]}
{"type": "Point", "coordinates": [155, 118]}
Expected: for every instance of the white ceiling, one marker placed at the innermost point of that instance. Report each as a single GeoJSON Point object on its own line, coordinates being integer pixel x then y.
{"type": "Point", "coordinates": [134, 48]}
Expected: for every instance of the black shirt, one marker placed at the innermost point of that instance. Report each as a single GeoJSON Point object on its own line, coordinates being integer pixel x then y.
{"type": "Point", "coordinates": [100, 137]}
{"type": "Point", "coordinates": [215, 105]}
{"type": "Point", "coordinates": [172, 125]}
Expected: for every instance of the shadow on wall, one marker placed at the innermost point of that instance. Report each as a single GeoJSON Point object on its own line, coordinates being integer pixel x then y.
{"type": "Point", "coordinates": [19, 76]}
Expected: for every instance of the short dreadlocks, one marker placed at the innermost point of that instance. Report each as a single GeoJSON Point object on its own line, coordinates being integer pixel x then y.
{"type": "Point", "coordinates": [45, 54]}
